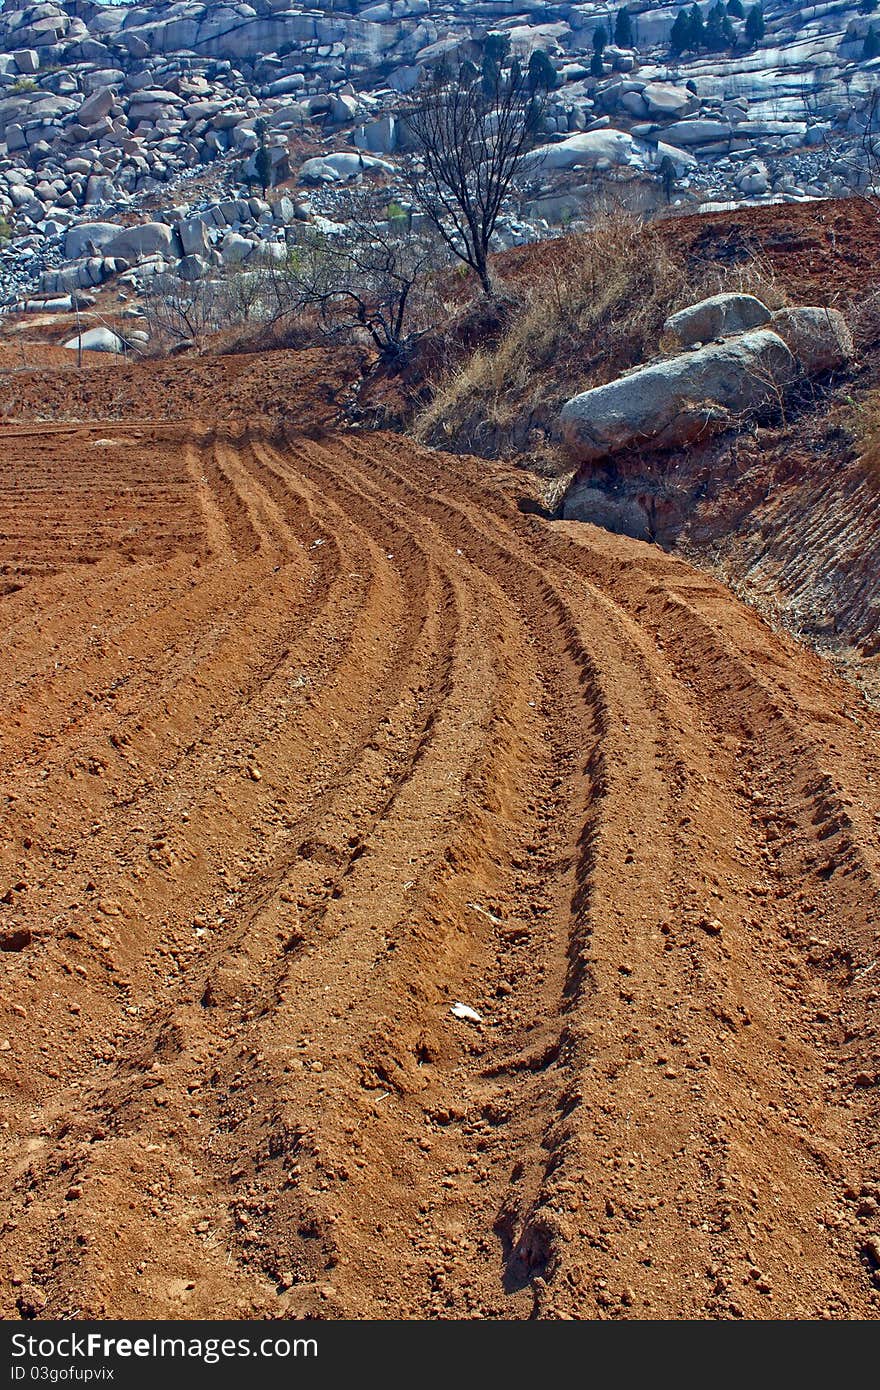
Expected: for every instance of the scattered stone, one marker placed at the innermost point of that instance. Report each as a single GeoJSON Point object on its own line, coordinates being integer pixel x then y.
{"type": "Point", "coordinates": [465, 1013]}
{"type": "Point", "coordinates": [14, 938]}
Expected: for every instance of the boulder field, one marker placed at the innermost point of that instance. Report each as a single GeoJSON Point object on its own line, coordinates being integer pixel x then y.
{"type": "Point", "coordinates": [148, 113]}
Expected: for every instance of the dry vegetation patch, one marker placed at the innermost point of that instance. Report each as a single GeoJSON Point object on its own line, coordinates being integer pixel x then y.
{"type": "Point", "coordinates": [592, 308]}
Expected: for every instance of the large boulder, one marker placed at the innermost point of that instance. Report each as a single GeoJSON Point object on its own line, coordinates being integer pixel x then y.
{"type": "Point", "coordinates": [714, 318]}
{"type": "Point", "coordinates": [89, 237]}
{"type": "Point", "coordinates": [27, 60]}
{"type": "Point", "coordinates": [234, 249]}
{"type": "Point", "coordinates": [698, 130]}
{"type": "Point", "coordinates": [677, 399]}
{"type": "Point", "coordinates": [193, 233]}
{"type": "Point", "coordinates": [591, 147]}
{"type": "Point", "coordinates": [754, 179]}
{"type": "Point", "coordinates": [192, 267]}
{"type": "Point", "coordinates": [380, 137]}
{"type": "Point", "coordinates": [819, 338]}
{"type": "Point", "coordinates": [95, 107]}
{"type": "Point", "coordinates": [667, 101]}
{"type": "Point", "coordinates": [97, 340]}
{"type": "Point", "coordinates": [337, 167]}
{"type": "Point", "coordinates": [148, 239]}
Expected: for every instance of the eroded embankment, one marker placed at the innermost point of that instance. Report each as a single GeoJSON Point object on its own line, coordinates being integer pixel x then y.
{"type": "Point", "coordinates": [791, 523]}
{"type": "Point", "coordinates": [303, 742]}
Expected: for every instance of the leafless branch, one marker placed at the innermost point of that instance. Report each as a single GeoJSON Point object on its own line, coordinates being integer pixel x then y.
{"type": "Point", "coordinates": [469, 139]}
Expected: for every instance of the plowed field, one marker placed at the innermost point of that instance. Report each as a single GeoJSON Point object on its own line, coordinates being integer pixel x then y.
{"type": "Point", "coordinates": [305, 742]}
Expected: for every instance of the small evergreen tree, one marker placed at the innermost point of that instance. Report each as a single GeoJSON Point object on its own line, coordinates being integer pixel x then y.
{"type": "Point", "coordinates": [696, 28]}
{"type": "Point", "coordinates": [736, 9]}
{"type": "Point", "coordinates": [713, 37]}
{"type": "Point", "coordinates": [468, 73]}
{"type": "Point", "coordinates": [597, 67]}
{"type": "Point", "coordinates": [871, 46]}
{"type": "Point", "coordinates": [755, 27]}
{"type": "Point", "coordinates": [491, 74]}
{"type": "Point", "coordinates": [262, 158]}
{"type": "Point", "coordinates": [679, 39]}
{"type": "Point", "coordinates": [600, 39]}
{"type": "Point", "coordinates": [719, 30]}
{"type": "Point", "coordinates": [623, 29]}
{"type": "Point", "coordinates": [542, 73]}
{"type": "Point", "coordinates": [497, 47]}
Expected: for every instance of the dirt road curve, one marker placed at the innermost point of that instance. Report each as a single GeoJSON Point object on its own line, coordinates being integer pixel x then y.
{"type": "Point", "coordinates": [305, 742]}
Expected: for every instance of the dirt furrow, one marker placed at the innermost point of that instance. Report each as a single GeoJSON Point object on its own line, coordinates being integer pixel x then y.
{"type": "Point", "coordinates": [347, 742]}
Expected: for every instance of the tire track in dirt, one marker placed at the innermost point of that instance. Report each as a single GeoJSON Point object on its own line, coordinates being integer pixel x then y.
{"type": "Point", "coordinates": [821, 1156]}
{"type": "Point", "coordinates": [380, 743]}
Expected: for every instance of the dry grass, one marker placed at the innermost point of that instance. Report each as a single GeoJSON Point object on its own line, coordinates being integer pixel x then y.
{"type": "Point", "coordinates": [864, 423]}
{"type": "Point", "coordinates": [595, 308]}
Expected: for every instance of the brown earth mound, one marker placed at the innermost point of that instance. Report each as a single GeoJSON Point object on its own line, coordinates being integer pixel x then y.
{"type": "Point", "coordinates": [308, 387]}
{"type": "Point", "coordinates": [306, 742]}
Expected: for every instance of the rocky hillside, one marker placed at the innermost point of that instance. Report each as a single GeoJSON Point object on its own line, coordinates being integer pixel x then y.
{"type": "Point", "coordinates": [115, 115]}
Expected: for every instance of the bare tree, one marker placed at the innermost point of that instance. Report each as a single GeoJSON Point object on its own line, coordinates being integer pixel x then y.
{"type": "Point", "coordinates": [870, 143]}
{"type": "Point", "coordinates": [363, 276]}
{"type": "Point", "coordinates": [178, 312]}
{"type": "Point", "coordinates": [469, 138]}
{"type": "Point", "coordinates": [862, 157]}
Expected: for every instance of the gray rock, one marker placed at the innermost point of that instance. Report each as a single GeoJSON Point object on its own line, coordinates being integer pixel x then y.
{"type": "Point", "coordinates": [379, 137]}
{"type": "Point", "coordinates": [97, 340]}
{"type": "Point", "coordinates": [754, 180]}
{"type": "Point", "coordinates": [592, 147]}
{"type": "Point", "coordinates": [98, 105]}
{"type": "Point", "coordinates": [697, 131]}
{"type": "Point", "coordinates": [235, 248]}
{"type": "Point", "coordinates": [148, 239]}
{"type": "Point", "coordinates": [665, 100]}
{"type": "Point", "coordinates": [64, 305]}
{"type": "Point", "coordinates": [27, 60]}
{"type": "Point", "coordinates": [193, 233]}
{"type": "Point", "coordinates": [192, 267]}
{"type": "Point", "coordinates": [713, 318]}
{"type": "Point", "coordinates": [333, 168]}
{"type": "Point", "coordinates": [623, 515]}
{"type": "Point", "coordinates": [676, 400]}
{"type": "Point", "coordinates": [819, 338]}
{"type": "Point", "coordinates": [283, 211]}
{"type": "Point", "coordinates": [343, 108]}
{"type": "Point", "coordinates": [294, 82]}
{"type": "Point", "coordinates": [80, 240]}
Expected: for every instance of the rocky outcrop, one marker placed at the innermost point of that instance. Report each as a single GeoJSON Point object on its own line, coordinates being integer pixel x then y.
{"type": "Point", "coordinates": [103, 107]}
